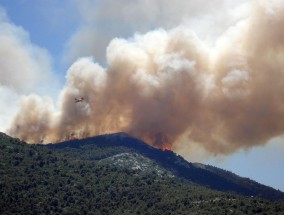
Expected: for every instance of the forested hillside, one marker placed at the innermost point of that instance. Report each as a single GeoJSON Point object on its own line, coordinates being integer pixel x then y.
{"type": "Point", "coordinates": [105, 180]}
{"type": "Point", "coordinates": [102, 146]}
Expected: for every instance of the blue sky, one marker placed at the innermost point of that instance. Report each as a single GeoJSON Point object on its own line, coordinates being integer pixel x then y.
{"type": "Point", "coordinates": [60, 32]}
{"type": "Point", "coordinates": [49, 24]}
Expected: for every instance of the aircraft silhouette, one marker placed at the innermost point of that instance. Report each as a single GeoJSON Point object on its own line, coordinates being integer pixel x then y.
{"type": "Point", "coordinates": [79, 100]}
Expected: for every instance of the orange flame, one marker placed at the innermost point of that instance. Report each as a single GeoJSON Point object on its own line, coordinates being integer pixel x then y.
{"type": "Point", "coordinates": [166, 148]}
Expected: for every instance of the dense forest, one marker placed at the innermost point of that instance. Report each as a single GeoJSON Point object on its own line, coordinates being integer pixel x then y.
{"type": "Point", "coordinates": [106, 180]}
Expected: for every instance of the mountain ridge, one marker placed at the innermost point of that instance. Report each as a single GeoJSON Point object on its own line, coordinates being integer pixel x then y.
{"type": "Point", "coordinates": [89, 177]}
{"type": "Point", "coordinates": [209, 176]}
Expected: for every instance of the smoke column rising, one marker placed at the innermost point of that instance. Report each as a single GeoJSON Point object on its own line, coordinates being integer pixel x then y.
{"type": "Point", "coordinates": [24, 68]}
{"type": "Point", "coordinates": [166, 85]}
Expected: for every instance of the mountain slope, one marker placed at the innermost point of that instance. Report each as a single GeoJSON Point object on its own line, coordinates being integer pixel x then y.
{"type": "Point", "coordinates": [201, 174]}
{"type": "Point", "coordinates": [84, 177]}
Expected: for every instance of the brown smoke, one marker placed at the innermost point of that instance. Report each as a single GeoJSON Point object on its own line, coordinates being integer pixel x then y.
{"type": "Point", "coordinates": [165, 84]}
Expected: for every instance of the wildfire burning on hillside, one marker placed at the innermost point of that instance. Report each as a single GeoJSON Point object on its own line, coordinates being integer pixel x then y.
{"type": "Point", "coordinates": [166, 148]}
{"type": "Point", "coordinates": [166, 84]}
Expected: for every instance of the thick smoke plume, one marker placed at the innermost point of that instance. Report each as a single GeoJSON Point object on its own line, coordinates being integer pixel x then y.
{"type": "Point", "coordinates": [164, 86]}
{"type": "Point", "coordinates": [24, 67]}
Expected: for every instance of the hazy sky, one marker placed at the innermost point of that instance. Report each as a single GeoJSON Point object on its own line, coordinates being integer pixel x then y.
{"type": "Point", "coordinates": [41, 39]}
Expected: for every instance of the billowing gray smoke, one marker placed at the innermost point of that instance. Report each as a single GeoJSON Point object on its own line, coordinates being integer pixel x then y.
{"type": "Point", "coordinates": [166, 85]}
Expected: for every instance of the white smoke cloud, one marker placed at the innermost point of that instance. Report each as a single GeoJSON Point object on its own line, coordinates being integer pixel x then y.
{"type": "Point", "coordinates": [24, 68]}
{"type": "Point", "coordinates": [171, 85]}
{"type": "Point", "coordinates": [23, 65]}
{"type": "Point", "coordinates": [8, 107]}
{"type": "Point", "coordinates": [104, 20]}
